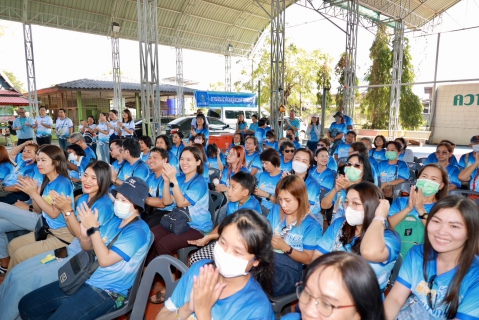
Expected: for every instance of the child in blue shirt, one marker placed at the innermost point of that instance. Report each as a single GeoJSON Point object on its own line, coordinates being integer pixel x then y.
{"type": "Point", "coordinates": [440, 279]}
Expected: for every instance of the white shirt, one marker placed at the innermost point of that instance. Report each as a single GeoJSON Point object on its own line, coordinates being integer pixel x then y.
{"type": "Point", "coordinates": [62, 127]}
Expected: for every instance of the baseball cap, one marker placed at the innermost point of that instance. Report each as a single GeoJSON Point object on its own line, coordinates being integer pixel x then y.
{"type": "Point", "coordinates": [338, 114]}
{"type": "Point", "coordinates": [475, 139]}
{"type": "Point", "coordinates": [315, 115]}
{"type": "Point", "coordinates": [135, 189]}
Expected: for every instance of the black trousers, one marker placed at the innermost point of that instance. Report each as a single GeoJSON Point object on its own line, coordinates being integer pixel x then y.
{"type": "Point", "coordinates": [20, 141]}
{"type": "Point", "coordinates": [44, 140]}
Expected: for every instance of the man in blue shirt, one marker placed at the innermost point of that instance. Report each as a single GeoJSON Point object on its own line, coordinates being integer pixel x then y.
{"type": "Point", "coordinates": [342, 152]}
{"type": "Point", "coordinates": [253, 126]}
{"type": "Point", "coordinates": [24, 127]}
{"type": "Point", "coordinates": [260, 133]}
{"type": "Point", "coordinates": [337, 131]}
{"type": "Point", "coordinates": [347, 119]}
{"type": "Point", "coordinates": [134, 166]}
{"type": "Point", "coordinates": [469, 158]}
{"type": "Point", "coordinates": [292, 123]}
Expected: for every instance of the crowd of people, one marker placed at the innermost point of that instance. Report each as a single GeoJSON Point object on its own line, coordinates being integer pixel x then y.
{"type": "Point", "coordinates": [323, 221]}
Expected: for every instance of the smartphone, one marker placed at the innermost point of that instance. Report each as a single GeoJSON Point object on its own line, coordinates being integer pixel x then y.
{"type": "Point", "coordinates": [61, 252]}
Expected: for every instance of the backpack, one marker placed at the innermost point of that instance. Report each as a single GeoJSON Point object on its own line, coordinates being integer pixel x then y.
{"type": "Point", "coordinates": [88, 137]}
{"type": "Point", "coordinates": [411, 230]}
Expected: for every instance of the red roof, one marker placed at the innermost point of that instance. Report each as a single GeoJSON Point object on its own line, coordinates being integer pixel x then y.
{"type": "Point", "coordinates": [12, 98]}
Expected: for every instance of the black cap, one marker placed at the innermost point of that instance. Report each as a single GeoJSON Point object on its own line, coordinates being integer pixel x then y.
{"type": "Point", "coordinates": [135, 189]}
{"type": "Point", "coordinates": [338, 114]}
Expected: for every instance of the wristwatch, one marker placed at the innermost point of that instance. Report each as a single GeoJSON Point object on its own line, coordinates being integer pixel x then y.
{"type": "Point", "coordinates": [382, 219]}
{"type": "Point", "coordinates": [172, 184]}
{"type": "Point", "coordinates": [91, 231]}
{"type": "Point", "coordinates": [68, 213]}
{"type": "Point", "coordinates": [424, 216]}
{"type": "Point", "coordinates": [268, 197]}
{"type": "Point", "coordinates": [289, 251]}
{"type": "Point", "coordinates": [30, 208]}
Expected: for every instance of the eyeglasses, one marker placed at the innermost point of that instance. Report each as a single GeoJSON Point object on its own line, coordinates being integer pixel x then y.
{"type": "Point", "coordinates": [321, 145]}
{"type": "Point", "coordinates": [441, 152]}
{"type": "Point", "coordinates": [323, 156]}
{"type": "Point", "coordinates": [323, 307]}
{"type": "Point", "coordinates": [356, 165]}
{"type": "Point", "coordinates": [75, 142]}
{"type": "Point", "coordinates": [430, 283]}
{"type": "Point", "coordinates": [289, 151]}
{"type": "Point", "coordinates": [353, 205]}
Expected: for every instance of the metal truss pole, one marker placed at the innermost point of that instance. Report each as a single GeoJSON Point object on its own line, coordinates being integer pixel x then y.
{"type": "Point", "coordinates": [29, 61]}
{"type": "Point", "coordinates": [398, 46]}
{"type": "Point", "coordinates": [352, 22]}
{"type": "Point", "coordinates": [148, 43]}
{"type": "Point", "coordinates": [277, 63]}
{"type": "Point", "coordinates": [180, 99]}
{"type": "Point", "coordinates": [115, 58]}
{"type": "Point", "coordinates": [228, 73]}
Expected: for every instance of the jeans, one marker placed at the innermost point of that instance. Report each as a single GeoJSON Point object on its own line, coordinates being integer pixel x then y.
{"type": "Point", "coordinates": [44, 140]}
{"type": "Point", "coordinates": [287, 273]}
{"type": "Point", "coordinates": [13, 219]}
{"type": "Point", "coordinates": [12, 197]}
{"type": "Point", "coordinates": [50, 302]}
{"type": "Point", "coordinates": [63, 143]}
{"type": "Point", "coordinates": [104, 151]}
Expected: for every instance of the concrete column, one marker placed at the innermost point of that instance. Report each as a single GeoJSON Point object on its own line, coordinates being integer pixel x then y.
{"type": "Point", "coordinates": [138, 106]}
{"type": "Point", "coordinates": [79, 108]}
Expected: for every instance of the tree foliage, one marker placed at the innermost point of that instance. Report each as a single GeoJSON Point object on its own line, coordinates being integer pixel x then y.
{"type": "Point", "coordinates": [218, 86]}
{"type": "Point", "coordinates": [324, 81]}
{"type": "Point", "coordinates": [302, 70]}
{"type": "Point", "coordinates": [15, 81]}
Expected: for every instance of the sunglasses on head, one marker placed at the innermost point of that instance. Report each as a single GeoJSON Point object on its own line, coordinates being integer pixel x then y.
{"type": "Point", "coordinates": [289, 151]}
{"type": "Point", "coordinates": [356, 165]}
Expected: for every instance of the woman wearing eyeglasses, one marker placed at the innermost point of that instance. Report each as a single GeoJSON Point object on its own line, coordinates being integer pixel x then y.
{"type": "Point", "coordinates": [443, 154]}
{"type": "Point", "coordinates": [358, 169]}
{"type": "Point", "coordinates": [379, 151]}
{"type": "Point", "coordinates": [364, 231]}
{"type": "Point", "coordinates": [287, 150]}
{"type": "Point", "coordinates": [334, 287]}
{"type": "Point", "coordinates": [392, 171]}
{"type": "Point", "coordinates": [440, 279]}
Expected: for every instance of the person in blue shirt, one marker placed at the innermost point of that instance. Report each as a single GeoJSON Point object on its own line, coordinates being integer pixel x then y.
{"type": "Point", "coordinates": [76, 155]}
{"type": "Point", "coordinates": [253, 161]}
{"type": "Point", "coordinates": [295, 234]}
{"type": "Point", "coordinates": [6, 165]}
{"type": "Point", "coordinates": [24, 155]}
{"type": "Point", "coordinates": [262, 130]}
{"type": "Point", "coordinates": [405, 154]}
{"type": "Point", "coordinates": [287, 150]}
{"type": "Point", "coordinates": [443, 154]}
{"type": "Point", "coordinates": [32, 273]}
{"type": "Point", "coordinates": [243, 261]}
{"type": "Point", "coordinates": [347, 119]}
{"type": "Point", "coordinates": [236, 161]}
{"type": "Point", "coordinates": [342, 151]}
{"type": "Point", "coordinates": [326, 143]}
{"type": "Point", "coordinates": [361, 147]}
{"type": "Point", "coordinates": [189, 190]}
{"type": "Point", "coordinates": [240, 197]}
{"type": "Point", "coordinates": [290, 136]}
{"type": "Point", "coordinates": [253, 126]}
{"type": "Point", "coordinates": [177, 145]}
{"type": "Point", "coordinates": [216, 160]}
{"type": "Point", "coordinates": [43, 125]}
{"type": "Point", "coordinates": [63, 128]}
{"type": "Point", "coordinates": [364, 231]}
{"type": "Point", "coordinates": [313, 133]}
{"type": "Point", "coordinates": [51, 163]}
{"type": "Point", "coordinates": [379, 150]}
{"type": "Point", "coordinates": [333, 301]}
{"type": "Point", "coordinates": [201, 127]}
{"type": "Point", "coordinates": [392, 171]}
{"type": "Point", "coordinates": [78, 139]}
{"type": "Point", "coordinates": [241, 125]}
{"type": "Point", "coordinates": [103, 136]}
{"type": "Point", "coordinates": [337, 131]}
{"type": "Point", "coordinates": [432, 158]}
{"type": "Point", "coordinates": [163, 142]}
{"type": "Point", "coordinates": [270, 141]}
{"type": "Point", "coordinates": [24, 126]}
{"type": "Point", "coordinates": [133, 166]}
{"type": "Point", "coordinates": [145, 146]}
{"type": "Point", "coordinates": [269, 178]}
{"type": "Point", "coordinates": [238, 140]}
{"type": "Point", "coordinates": [118, 265]}
{"type": "Point", "coordinates": [292, 123]}
{"type": "Point", "coordinates": [469, 158]}
{"type": "Point", "coordinates": [323, 175]}
{"type": "Point", "coordinates": [440, 279]}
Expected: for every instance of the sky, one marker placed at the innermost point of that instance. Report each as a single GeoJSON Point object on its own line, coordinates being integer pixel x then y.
{"type": "Point", "coordinates": [62, 56]}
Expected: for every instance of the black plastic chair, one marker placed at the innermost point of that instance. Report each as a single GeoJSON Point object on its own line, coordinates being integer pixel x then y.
{"type": "Point", "coordinates": [282, 302]}
{"type": "Point", "coordinates": [264, 211]}
{"type": "Point", "coordinates": [132, 295]}
{"type": "Point", "coordinates": [465, 194]}
{"type": "Point", "coordinates": [161, 265]}
{"type": "Point", "coordinates": [402, 187]}
{"type": "Point", "coordinates": [412, 176]}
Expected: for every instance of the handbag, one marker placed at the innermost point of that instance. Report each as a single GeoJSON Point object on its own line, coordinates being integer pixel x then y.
{"type": "Point", "coordinates": [42, 231]}
{"type": "Point", "coordinates": [177, 220]}
{"type": "Point", "coordinates": [73, 274]}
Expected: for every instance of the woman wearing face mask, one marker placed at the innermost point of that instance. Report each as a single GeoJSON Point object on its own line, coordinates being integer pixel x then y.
{"type": "Point", "coordinates": [443, 155]}
{"type": "Point", "coordinates": [405, 154]}
{"type": "Point", "coordinates": [313, 133]}
{"type": "Point", "coordinates": [236, 163]}
{"type": "Point", "coordinates": [24, 155]}
{"type": "Point", "coordinates": [76, 155]}
{"type": "Point", "coordinates": [431, 186]}
{"type": "Point", "coordinates": [392, 171]}
{"type": "Point", "coordinates": [241, 125]}
{"type": "Point", "coordinates": [336, 283]}
{"type": "Point", "coordinates": [358, 169]}
{"type": "Point", "coordinates": [32, 274]}
{"type": "Point", "coordinates": [295, 233]}
{"type": "Point", "coordinates": [244, 266]}
{"type": "Point", "coordinates": [253, 161]}
{"type": "Point", "coordinates": [363, 231]}
{"type": "Point", "coordinates": [119, 264]}
{"type": "Point", "coordinates": [269, 178]}
{"type": "Point", "coordinates": [287, 150]}
{"type": "Point", "coordinates": [53, 165]}
{"type": "Point", "coordinates": [379, 151]}
{"type": "Point", "coordinates": [201, 127]}
{"type": "Point", "coordinates": [439, 280]}
{"type": "Point", "coordinates": [178, 145]}
{"type": "Point", "coordinates": [238, 140]}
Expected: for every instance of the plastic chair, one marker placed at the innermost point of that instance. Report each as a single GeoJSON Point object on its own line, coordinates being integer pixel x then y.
{"type": "Point", "coordinates": [216, 199]}
{"type": "Point", "coordinates": [161, 265]}
{"type": "Point", "coordinates": [279, 303]}
{"type": "Point", "coordinates": [132, 295]}
{"type": "Point", "coordinates": [422, 160]}
{"type": "Point", "coordinates": [412, 176]}
{"type": "Point", "coordinates": [466, 194]}
{"type": "Point", "coordinates": [214, 173]}
{"type": "Point", "coordinates": [264, 211]}
{"type": "Point", "coordinates": [402, 187]}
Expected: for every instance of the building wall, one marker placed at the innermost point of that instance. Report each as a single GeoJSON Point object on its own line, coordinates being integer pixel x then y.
{"type": "Point", "coordinates": [457, 113]}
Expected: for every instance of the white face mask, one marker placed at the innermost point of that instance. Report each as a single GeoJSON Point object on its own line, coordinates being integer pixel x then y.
{"type": "Point", "coordinates": [198, 141]}
{"type": "Point", "coordinates": [354, 217]}
{"type": "Point", "coordinates": [230, 266]}
{"type": "Point", "coordinates": [122, 209]}
{"type": "Point", "coordinates": [475, 147]}
{"type": "Point", "coordinates": [72, 157]}
{"type": "Point", "coordinates": [300, 167]}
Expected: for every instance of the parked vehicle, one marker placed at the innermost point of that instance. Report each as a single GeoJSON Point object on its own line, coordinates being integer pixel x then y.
{"type": "Point", "coordinates": [183, 124]}
{"type": "Point", "coordinates": [164, 122]}
{"type": "Point", "coordinates": [230, 115]}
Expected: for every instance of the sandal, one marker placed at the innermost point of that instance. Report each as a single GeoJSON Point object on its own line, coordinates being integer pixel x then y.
{"type": "Point", "coordinates": [157, 298]}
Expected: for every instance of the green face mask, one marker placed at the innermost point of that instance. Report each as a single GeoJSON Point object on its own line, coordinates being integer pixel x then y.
{"type": "Point", "coordinates": [428, 187]}
{"type": "Point", "coordinates": [353, 174]}
{"type": "Point", "coordinates": [391, 155]}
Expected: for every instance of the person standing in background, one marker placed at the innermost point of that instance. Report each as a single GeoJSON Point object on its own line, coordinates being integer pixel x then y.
{"type": "Point", "coordinates": [292, 123]}
{"type": "Point", "coordinates": [24, 126]}
{"type": "Point", "coordinates": [63, 128]}
{"type": "Point", "coordinates": [43, 125]}
{"type": "Point", "coordinates": [104, 134]}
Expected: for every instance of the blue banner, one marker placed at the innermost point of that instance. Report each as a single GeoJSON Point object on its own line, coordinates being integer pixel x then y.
{"type": "Point", "coordinates": [225, 99]}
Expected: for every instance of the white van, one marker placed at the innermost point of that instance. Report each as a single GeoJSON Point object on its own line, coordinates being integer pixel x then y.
{"type": "Point", "coordinates": [230, 115]}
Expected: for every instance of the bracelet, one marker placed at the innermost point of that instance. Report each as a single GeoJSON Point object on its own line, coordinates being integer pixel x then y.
{"type": "Point", "coordinates": [81, 239]}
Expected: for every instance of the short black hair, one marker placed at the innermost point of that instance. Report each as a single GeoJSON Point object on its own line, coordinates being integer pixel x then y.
{"type": "Point", "coordinates": [246, 180]}
{"type": "Point", "coordinates": [44, 107]}
{"type": "Point", "coordinates": [118, 142]}
{"type": "Point", "coordinates": [212, 150]}
{"type": "Point", "coordinates": [254, 116]}
{"type": "Point", "coordinates": [62, 109]}
{"type": "Point", "coordinates": [270, 133]}
{"type": "Point", "coordinates": [132, 146]}
{"type": "Point", "coordinates": [114, 111]}
{"type": "Point", "coordinates": [77, 149]}
{"type": "Point", "coordinates": [359, 147]}
{"type": "Point", "coordinates": [261, 122]}
{"type": "Point", "coordinates": [272, 156]}
{"type": "Point", "coordinates": [146, 140]}
{"type": "Point", "coordinates": [164, 153]}
{"type": "Point", "coordinates": [180, 134]}
{"type": "Point", "coordinates": [353, 133]}
{"type": "Point", "coordinates": [285, 144]}
{"type": "Point", "coordinates": [167, 140]}
{"type": "Point", "coordinates": [399, 147]}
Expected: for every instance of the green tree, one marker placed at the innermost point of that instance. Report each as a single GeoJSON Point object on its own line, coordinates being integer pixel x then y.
{"type": "Point", "coordinates": [15, 81]}
{"type": "Point", "coordinates": [301, 71]}
{"type": "Point", "coordinates": [410, 108]}
{"type": "Point", "coordinates": [324, 81]}
{"type": "Point", "coordinates": [375, 104]}
{"type": "Point", "coordinates": [218, 86]}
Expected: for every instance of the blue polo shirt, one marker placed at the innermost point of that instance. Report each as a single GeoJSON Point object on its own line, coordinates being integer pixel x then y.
{"type": "Point", "coordinates": [379, 155]}
{"type": "Point", "coordinates": [26, 132]}
{"type": "Point", "coordinates": [268, 183]}
{"type": "Point", "coordinates": [336, 129]}
{"type": "Point", "coordinates": [254, 161]}
{"type": "Point", "coordinates": [63, 186]}
{"type": "Point", "coordinates": [295, 123]}
{"type": "Point", "coordinates": [326, 178]}
{"type": "Point", "coordinates": [155, 189]}
{"type": "Point", "coordinates": [226, 175]}
{"type": "Point", "coordinates": [390, 172]}
{"type": "Point", "coordinates": [5, 169]}
{"type": "Point", "coordinates": [342, 151]}
{"type": "Point", "coordinates": [286, 166]}
{"type": "Point", "coordinates": [252, 203]}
